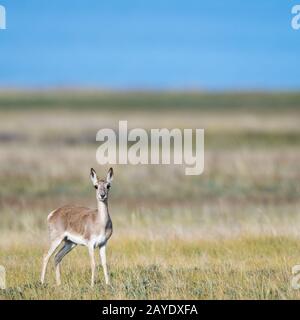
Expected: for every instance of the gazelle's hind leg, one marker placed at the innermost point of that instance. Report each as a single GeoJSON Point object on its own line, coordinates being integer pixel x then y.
{"type": "Point", "coordinates": [54, 244]}
{"type": "Point", "coordinates": [67, 247]}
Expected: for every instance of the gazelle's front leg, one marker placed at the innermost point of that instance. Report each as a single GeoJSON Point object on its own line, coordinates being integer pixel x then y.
{"type": "Point", "coordinates": [104, 265]}
{"type": "Point", "coordinates": [93, 265]}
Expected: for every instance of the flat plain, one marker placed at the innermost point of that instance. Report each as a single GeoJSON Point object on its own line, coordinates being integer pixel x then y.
{"type": "Point", "coordinates": [230, 233]}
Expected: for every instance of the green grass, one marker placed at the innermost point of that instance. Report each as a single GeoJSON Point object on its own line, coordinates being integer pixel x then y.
{"type": "Point", "coordinates": [214, 101]}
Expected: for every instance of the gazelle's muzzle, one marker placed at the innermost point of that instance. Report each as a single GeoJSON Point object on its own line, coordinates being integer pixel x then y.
{"type": "Point", "coordinates": [102, 196]}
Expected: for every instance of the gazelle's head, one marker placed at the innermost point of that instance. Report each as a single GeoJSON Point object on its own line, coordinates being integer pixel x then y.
{"type": "Point", "coordinates": [102, 186]}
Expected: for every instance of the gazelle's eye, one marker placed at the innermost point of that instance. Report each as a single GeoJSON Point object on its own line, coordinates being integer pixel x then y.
{"type": "Point", "coordinates": [96, 187]}
{"type": "Point", "coordinates": [108, 186]}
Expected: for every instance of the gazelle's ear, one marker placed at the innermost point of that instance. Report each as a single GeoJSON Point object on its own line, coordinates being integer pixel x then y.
{"type": "Point", "coordinates": [110, 175]}
{"type": "Point", "coordinates": [94, 178]}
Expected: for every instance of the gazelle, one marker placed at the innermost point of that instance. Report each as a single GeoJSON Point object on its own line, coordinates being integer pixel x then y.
{"type": "Point", "coordinates": [81, 226]}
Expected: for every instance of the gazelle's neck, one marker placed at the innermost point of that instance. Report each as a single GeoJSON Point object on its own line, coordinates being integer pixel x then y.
{"type": "Point", "coordinates": [102, 208]}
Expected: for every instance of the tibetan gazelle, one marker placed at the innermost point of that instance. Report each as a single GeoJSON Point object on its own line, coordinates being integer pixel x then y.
{"type": "Point", "coordinates": [79, 225]}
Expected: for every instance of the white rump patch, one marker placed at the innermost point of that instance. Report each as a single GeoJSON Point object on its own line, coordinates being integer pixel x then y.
{"type": "Point", "coordinates": [50, 214]}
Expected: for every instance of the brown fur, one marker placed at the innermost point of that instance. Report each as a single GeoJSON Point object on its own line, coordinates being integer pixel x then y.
{"type": "Point", "coordinates": [80, 221]}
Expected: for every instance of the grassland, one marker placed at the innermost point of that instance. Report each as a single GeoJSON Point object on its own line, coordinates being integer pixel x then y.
{"type": "Point", "coordinates": [231, 233]}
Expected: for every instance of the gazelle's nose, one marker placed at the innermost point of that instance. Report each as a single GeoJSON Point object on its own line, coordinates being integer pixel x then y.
{"type": "Point", "coordinates": [102, 196]}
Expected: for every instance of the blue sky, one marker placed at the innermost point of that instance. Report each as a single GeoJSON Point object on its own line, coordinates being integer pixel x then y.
{"type": "Point", "coordinates": [157, 44]}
